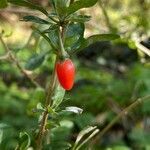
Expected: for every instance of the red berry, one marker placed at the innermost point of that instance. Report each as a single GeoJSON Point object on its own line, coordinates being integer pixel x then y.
{"type": "Point", "coordinates": [66, 73]}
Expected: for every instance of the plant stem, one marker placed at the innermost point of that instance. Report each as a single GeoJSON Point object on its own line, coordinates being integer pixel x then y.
{"type": "Point", "coordinates": [87, 139]}
{"type": "Point", "coordinates": [142, 48]}
{"type": "Point", "coordinates": [120, 115]}
{"type": "Point", "coordinates": [61, 39]}
{"type": "Point", "coordinates": [15, 60]}
{"type": "Point", "coordinates": [50, 92]}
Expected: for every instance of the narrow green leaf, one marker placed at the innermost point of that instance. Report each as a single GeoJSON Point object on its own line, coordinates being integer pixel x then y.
{"type": "Point", "coordinates": [3, 3]}
{"type": "Point", "coordinates": [53, 36]}
{"type": "Point", "coordinates": [51, 111]}
{"type": "Point", "coordinates": [87, 139]}
{"type": "Point", "coordinates": [58, 97]}
{"type": "Point", "coordinates": [60, 6]}
{"type": "Point", "coordinates": [45, 37]}
{"type": "Point", "coordinates": [80, 4]}
{"type": "Point", "coordinates": [74, 109]}
{"type": "Point", "coordinates": [82, 134]}
{"type": "Point", "coordinates": [24, 141]}
{"type": "Point", "coordinates": [73, 36]}
{"type": "Point", "coordinates": [52, 124]}
{"type": "Point", "coordinates": [39, 107]}
{"type": "Point", "coordinates": [1, 136]}
{"type": "Point", "coordinates": [44, 45]}
{"type": "Point", "coordinates": [28, 4]}
{"type": "Point", "coordinates": [52, 27]}
{"type": "Point", "coordinates": [52, 14]}
{"type": "Point", "coordinates": [35, 19]}
{"type": "Point", "coordinates": [2, 127]}
{"type": "Point", "coordinates": [101, 37]}
{"type": "Point", "coordinates": [95, 38]}
{"type": "Point", "coordinates": [75, 28]}
{"type": "Point", "coordinates": [79, 18]}
{"type": "Point", "coordinates": [58, 139]}
{"type": "Point", "coordinates": [35, 61]}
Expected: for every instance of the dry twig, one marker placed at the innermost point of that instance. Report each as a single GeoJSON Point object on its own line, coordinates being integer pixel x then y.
{"type": "Point", "coordinates": [14, 59]}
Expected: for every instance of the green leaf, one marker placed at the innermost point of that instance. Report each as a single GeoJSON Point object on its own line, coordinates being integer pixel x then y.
{"type": "Point", "coordinates": [28, 4]}
{"type": "Point", "coordinates": [84, 120]}
{"type": "Point", "coordinates": [58, 97]}
{"type": "Point", "coordinates": [35, 19]}
{"type": "Point", "coordinates": [39, 107]}
{"type": "Point", "coordinates": [44, 45]}
{"type": "Point", "coordinates": [24, 141]}
{"type": "Point", "coordinates": [80, 4]}
{"type": "Point", "coordinates": [53, 36]}
{"type": "Point", "coordinates": [2, 127]}
{"type": "Point", "coordinates": [84, 132]}
{"type": "Point", "coordinates": [101, 37]}
{"type": "Point", "coordinates": [74, 109]}
{"type": "Point", "coordinates": [1, 136]}
{"type": "Point", "coordinates": [53, 16]}
{"type": "Point", "coordinates": [60, 6]}
{"type": "Point", "coordinates": [45, 37]}
{"type": "Point", "coordinates": [35, 61]}
{"type": "Point", "coordinates": [52, 3]}
{"type": "Point", "coordinates": [90, 130]}
{"type": "Point", "coordinates": [38, 96]}
{"type": "Point", "coordinates": [96, 38]}
{"type": "Point", "coordinates": [52, 27]}
{"type": "Point", "coordinates": [51, 124]}
{"type": "Point", "coordinates": [3, 3]}
{"type": "Point", "coordinates": [79, 18]}
{"type": "Point", "coordinates": [59, 136]}
{"type": "Point", "coordinates": [74, 34]}
{"type": "Point", "coordinates": [51, 110]}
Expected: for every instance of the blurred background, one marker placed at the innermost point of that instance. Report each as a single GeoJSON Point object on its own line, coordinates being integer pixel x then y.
{"type": "Point", "coordinates": [110, 76]}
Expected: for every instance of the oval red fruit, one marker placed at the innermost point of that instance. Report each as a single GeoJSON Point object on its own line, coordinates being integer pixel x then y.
{"type": "Point", "coordinates": [66, 73]}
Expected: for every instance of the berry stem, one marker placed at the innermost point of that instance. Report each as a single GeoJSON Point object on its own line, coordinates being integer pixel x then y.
{"type": "Point", "coordinates": [63, 53]}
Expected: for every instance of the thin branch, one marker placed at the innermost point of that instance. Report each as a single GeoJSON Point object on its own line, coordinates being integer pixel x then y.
{"type": "Point", "coordinates": [120, 115]}
{"type": "Point", "coordinates": [87, 139]}
{"type": "Point", "coordinates": [114, 106]}
{"type": "Point", "coordinates": [50, 92]}
{"type": "Point", "coordinates": [15, 60]}
{"type": "Point", "coordinates": [142, 48]}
